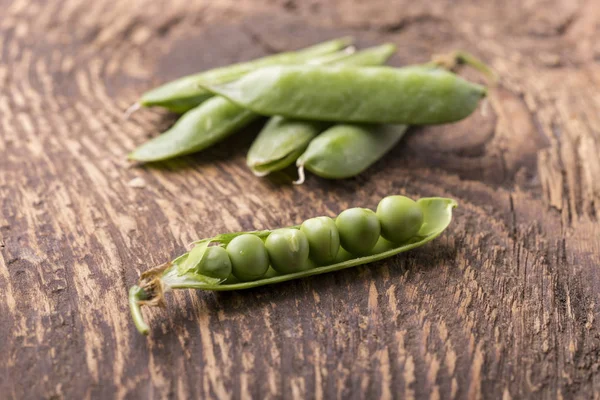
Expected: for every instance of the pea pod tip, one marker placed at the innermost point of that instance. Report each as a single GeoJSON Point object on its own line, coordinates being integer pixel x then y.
{"type": "Point", "coordinates": [259, 174]}
{"type": "Point", "coordinates": [301, 175]}
{"type": "Point", "coordinates": [131, 109]}
{"type": "Point", "coordinates": [345, 41]}
{"type": "Point", "coordinates": [136, 297]}
{"type": "Point", "coordinates": [135, 158]}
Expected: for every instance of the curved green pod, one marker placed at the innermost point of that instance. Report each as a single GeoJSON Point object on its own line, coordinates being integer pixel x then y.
{"type": "Point", "coordinates": [280, 143]}
{"type": "Point", "coordinates": [181, 273]}
{"type": "Point", "coordinates": [346, 150]}
{"type": "Point", "coordinates": [183, 94]}
{"type": "Point", "coordinates": [217, 117]}
{"type": "Point", "coordinates": [197, 129]}
{"type": "Point", "coordinates": [382, 95]}
{"type": "Point", "coordinates": [283, 140]}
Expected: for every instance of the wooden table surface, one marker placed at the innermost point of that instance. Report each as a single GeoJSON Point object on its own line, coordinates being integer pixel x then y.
{"type": "Point", "coordinates": [503, 305]}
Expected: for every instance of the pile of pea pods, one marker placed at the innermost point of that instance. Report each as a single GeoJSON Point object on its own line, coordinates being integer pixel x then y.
{"type": "Point", "coordinates": [244, 260]}
{"type": "Point", "coordinates": [333, 110]}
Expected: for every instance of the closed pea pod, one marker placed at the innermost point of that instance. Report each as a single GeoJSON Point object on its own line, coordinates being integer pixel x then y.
{"type": "Point", "coordinates": [280, 143]}
{"type": "Point", "coordinates": [283, 140]}
{"type": "Point", "coordinates": [323, 239]}
{"type": "Point", "coordinates": [346, 150]}
{"type": "Point", "coordinates": [210, 122]}
{"type": "Point", "coordinates": [183, 94]}
{"type": "Point", "coordinates": [359, 230]}
{"type": "Point", "coordinates": [409, 95]}
{"type": "Point", "coordinates": [205, 125]}
{"type": "Point", "coordinates": [250, 260]}
{"type": "Point", "coordinates": [288, 250]}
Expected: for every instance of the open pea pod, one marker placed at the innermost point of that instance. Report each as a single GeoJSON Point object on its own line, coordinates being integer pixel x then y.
{"type": "Point", "coordinates": [181, 273]}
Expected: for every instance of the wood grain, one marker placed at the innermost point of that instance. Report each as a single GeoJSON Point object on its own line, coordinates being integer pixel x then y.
{"type": "Point", "coordinates": [502, 306]}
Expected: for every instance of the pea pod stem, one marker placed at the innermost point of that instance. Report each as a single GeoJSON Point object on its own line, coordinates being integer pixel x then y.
{"type": "Point", "coordinates": [301, 175]}
{"type": "Point", "coordinates": [131, 109]}
{"type": "Point", "coordinates": [450, 60]}
{"type": "Point", "coordinates": [155, 282]}
{"type": "Point", "coordinates": [136, 297]}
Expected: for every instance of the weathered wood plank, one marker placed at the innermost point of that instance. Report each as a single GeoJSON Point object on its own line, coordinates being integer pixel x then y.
{"type": "Point", "coordinates": [504, 304]}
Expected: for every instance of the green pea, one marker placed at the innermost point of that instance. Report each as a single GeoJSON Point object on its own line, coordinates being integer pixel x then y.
{"type": "Point", "coordinates": [288, 250]}
{"type": "Point", "coordinates": [215, 263]}
{"type": "Point", "coordinates": [183, 94]}
{"type": "Point", "coordinates": [382, 245]}
{"type": "Point", "coordinates": [344, 150]}
{"type": "Point", "coordinates": [323, 239]}
{"type": "Point", "coordinates": [270, 273]}
{"type": "Point", "coordinates": [400, 218]}
{"type": "Point", "coordinates": [409, 95]}
{"type": "Point", "coordinates": [343, 256]}
{"type": "Point", "coordinates": [359, 230]}
{"type": "Point", "coordinates": [249, 258]}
